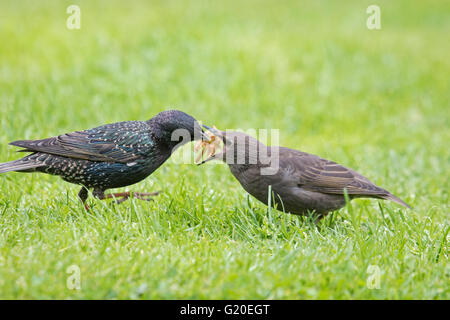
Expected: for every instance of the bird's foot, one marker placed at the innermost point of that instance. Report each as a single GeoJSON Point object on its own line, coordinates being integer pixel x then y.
{"type": "Point", "coordinates": [123, 196]}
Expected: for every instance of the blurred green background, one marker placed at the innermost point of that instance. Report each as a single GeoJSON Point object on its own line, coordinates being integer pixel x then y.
{"type": "Point", "coordinates": [373, 100]}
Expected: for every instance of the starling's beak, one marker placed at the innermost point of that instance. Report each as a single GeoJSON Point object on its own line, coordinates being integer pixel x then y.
{"type": "Point", "coordinates": [200, 133]}
{"type": "Point", "coordinates": [205, 136]}
{"type": "Point", "coordinates": [213, 130]}
{"type": "Point", "coordinates": [213, 157]}
{"type": "Point", "coordinates": [219, 134]}
{"type": "Point", "coordinates": [216, 133]}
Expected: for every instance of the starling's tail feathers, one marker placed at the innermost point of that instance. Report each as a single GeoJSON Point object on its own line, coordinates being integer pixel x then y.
{"type": "Point", "coordinates": [19, 165]}
{"type": "Point", "coordinates": [393, 198]}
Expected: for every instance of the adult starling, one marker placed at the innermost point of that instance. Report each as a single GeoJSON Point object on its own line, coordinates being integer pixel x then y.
{"type": "Point", "coordinates": [300, 182]}
{"type": "Point", "coordinates": [110, 156]}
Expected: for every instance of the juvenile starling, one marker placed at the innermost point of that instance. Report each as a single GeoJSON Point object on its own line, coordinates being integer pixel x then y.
{"type": "Point", "coordinates": [300, 182]}
{"type": "Point", "coordinates": [110, 156]}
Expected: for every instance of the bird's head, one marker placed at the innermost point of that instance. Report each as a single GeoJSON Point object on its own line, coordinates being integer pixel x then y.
{"type": "Point", "coordinates": [239, 149]}
{"type": "Point", "coordinates": [176, 128]}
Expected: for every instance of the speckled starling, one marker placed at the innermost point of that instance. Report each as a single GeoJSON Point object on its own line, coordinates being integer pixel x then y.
{"type": "Point", "coordinates": [110, 156]}
{"type": "Point", "coordinates": [301, 183]}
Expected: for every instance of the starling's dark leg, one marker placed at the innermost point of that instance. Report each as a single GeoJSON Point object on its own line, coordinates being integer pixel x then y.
{"type": "Point", "coordinates": [125, 195]}
{"type": "Point", "coordinates": [83, 195]}
{"type": "Point", "coordinates": [100, 194]}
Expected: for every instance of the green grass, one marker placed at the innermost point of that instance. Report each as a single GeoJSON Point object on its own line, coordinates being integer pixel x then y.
{"type": "Point", "coordinates": [376, 101]}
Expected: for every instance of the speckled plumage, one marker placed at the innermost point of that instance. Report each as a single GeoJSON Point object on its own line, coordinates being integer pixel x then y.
{"type": "Point", "coordinates": [110, 156]}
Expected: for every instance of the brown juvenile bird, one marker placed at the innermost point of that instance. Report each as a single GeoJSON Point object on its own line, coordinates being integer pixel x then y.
{"type": "Point", "coordinates": [301, 182]}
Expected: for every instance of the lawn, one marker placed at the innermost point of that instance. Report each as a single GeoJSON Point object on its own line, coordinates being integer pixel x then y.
{"type": "Point", "coordinates": [373, 100]}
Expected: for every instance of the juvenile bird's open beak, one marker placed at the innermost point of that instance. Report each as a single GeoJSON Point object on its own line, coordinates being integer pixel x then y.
{"type": "Point", "coordinates": [200, 134]}
{"type": "Point", "coordinates": [213, 130]}
{"type": "Point", "coordinates": [205, 136]}
{"type": "Point", "coordinates": [216, 133]}
{"type": "Point", "coordinates": [213, 157]}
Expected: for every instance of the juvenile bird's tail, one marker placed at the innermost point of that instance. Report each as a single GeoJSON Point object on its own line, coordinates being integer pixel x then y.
{"type": "Point", "coordinates": [393, 198]}
{"type": "Point", "coordinates": [23, 165]}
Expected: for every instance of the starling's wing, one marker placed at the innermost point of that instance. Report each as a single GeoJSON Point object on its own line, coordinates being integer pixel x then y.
{"type": "Point", "coordinates": [117, 142]}
{"type": "Point", "coordinates": [316, 174]}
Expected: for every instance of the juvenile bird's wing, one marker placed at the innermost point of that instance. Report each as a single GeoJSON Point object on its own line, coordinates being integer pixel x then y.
{"type": "Point", "coordinates": [316, 174]}
{"type": "Point", "coordinates": [117, 142]}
